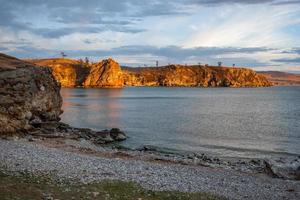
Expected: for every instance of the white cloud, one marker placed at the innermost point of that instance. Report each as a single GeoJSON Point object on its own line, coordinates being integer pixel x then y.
{"type": "Point", "coordinates": [252, 25]}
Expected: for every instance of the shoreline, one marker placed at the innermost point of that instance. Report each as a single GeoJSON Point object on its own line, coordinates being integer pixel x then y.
{"type": "Point", "coordinates": [81, 160]}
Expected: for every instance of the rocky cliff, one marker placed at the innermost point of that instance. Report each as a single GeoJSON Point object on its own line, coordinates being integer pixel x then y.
{"type": "Point", "coordinates": [108, 73]}
{"type": "Point", "coordinates": [70, 73]}
{"type": "Point", "coordinates": [30, 103]}
{"type": "Point", "coordinates": [193, 76]}
{"type": "Point", "coordinates": [28, 94]}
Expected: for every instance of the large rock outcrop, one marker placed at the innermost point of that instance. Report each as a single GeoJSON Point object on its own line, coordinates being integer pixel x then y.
{"type": "Point", "coordinates": [106, 73]}
{"type": "Point", "coordinates": [28, 93]}
{"type": "Point", "coordinates": [193, 76]}
{"type": "Point", "coordinates": [69, 73]}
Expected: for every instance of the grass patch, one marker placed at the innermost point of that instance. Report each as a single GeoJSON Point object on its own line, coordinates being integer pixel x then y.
{"type": "Point", "coordinates": [23, 186]}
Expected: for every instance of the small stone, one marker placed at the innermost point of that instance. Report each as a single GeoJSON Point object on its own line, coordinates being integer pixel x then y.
{"type": "Point", "coordinates": [95, 194]}
{"type": "Point", "coordinates": [117, 134]}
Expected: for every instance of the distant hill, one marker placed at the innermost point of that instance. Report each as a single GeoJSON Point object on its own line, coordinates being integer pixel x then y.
{"type": "Point", "coordinates": [281, 78]}
{"type": "Point", "coordinates": [108, 73]}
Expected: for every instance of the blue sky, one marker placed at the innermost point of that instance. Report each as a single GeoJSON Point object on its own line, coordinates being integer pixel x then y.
{"type": "Point", "coordinates": [260, 34]}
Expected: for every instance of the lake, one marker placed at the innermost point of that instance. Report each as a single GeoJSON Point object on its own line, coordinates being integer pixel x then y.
{"type": "Point", "coordinates": [228, 122]}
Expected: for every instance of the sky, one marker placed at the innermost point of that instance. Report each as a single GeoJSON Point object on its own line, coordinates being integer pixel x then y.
{"type": "Point", "coordinates": [259, 34]}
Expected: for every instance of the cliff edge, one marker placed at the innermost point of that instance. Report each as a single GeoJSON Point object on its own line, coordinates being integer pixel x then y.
{"type": "Point", "coordinates": [108, 73]}
{"type": "Point", "coordinates": [70, 73]}
{"type": "Point", "coordinates": [28, 94]}
{"type": "Point", "coordinates": [193, 76]}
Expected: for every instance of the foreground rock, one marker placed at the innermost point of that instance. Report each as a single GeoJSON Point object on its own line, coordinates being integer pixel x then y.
{"type": "Point", "coordinates": [62, 130]}
{"type": "Point", "coordinates": [284, 168]}
{"type": "Point", "coordinates": [30, 104]}
{"type": "Point", "coordinates": [28, 93]}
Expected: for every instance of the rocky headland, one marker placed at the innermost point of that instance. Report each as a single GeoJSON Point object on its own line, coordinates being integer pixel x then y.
{"type": "Point", "coordinates": [108, 73]}
{"type": "Point", "coordinates": [193, 76]}
{"type": "Point", "coordinates": [69, 73]}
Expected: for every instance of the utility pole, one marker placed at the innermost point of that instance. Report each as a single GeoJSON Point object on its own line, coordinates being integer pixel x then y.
{"type": "Point", "coordinates": [157, 63]}
{"type": "Point", "coordinates": [63, 54]}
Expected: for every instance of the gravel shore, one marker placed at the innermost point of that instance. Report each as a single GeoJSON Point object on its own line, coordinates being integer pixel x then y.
{"type": "Point", "coordinates": [22, 155]}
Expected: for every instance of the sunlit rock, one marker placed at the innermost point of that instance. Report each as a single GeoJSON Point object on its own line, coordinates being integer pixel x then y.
{"type": "Point", "coordinates": [106, 73]}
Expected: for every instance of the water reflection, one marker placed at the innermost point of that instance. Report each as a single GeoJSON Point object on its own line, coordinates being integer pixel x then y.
{"type": "Point", "coordinates": [92, 108]}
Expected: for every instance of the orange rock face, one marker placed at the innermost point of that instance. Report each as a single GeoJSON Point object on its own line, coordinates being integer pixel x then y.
{"type": "Point", "coordinates": [106, 73]}
{"type": "Point", "coordinates": [69, 73]}
{"type": "Point", "coordinates": [193, 76]}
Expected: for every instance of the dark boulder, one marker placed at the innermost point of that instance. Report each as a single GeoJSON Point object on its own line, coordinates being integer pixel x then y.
{"type": "Point", "coordinates": [28, 94]}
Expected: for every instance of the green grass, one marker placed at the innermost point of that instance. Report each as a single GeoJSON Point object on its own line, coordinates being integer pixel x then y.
{"type": "Point", "coordinates": [23, 186]}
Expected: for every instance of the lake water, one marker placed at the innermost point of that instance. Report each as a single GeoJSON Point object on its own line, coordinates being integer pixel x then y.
{"type": "Point", "coordinates": [230, 122]}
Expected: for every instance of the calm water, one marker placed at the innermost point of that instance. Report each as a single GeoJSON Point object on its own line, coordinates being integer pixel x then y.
{"type": "Point", "coordinates": [246, 122]}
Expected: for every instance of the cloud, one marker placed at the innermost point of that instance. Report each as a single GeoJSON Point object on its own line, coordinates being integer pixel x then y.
{"type": "Point", "coordinates": [244, 32]}
{"type": "Point", "coordinates": [63, 17]}
{"type": "Point", "coordinates": [288, 60]}
{"type": "Point", "coordinates": [183, 53]}
{"type": "Point", "coordinates": [286, 2]}
{"type": "Point", "coordinates": [59, 32]}
{"type": "Point", "coordinates": [175, 54]}
{"type": "Point", "coordinates": [60, 18]}
{"type": "Point", "coordinates": [220, 2]}
{"type": "Point", "coordinates": [82, 16]}
{"type": "Point", "coordinates": [8, 19]}
{"type": "Point", "coordinates": [295, 50]}
{"type": "Point", "coordinates": [252, 25]}
{"type": "Point", "coordinates": [171, 52]}
{"type": "Point", "coordinates": [3, 49]}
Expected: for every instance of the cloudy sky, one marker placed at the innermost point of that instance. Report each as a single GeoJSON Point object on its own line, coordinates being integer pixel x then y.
{"type": "Point", "coordinates": [260, 34]}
